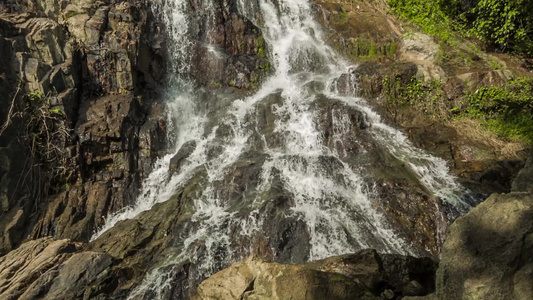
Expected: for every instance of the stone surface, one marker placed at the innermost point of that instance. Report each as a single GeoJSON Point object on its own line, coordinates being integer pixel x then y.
{"type": "Point", "coordinates": [21, 268]}
{"type": "Point", "coordinates": [421, 49]}
{"type": "Point", "coordinates": [365, 275]}
{"type": "Point", "coordinates": [237, 53]}
{"type": "Point", "coordinates": [479, 158]}
{"type": "Point", "coordinates": [487, 252]}
{"type": "Point", "coordinates": [178, 160]}
{"type": "Point", "coordinates": [524, 180]}
{"type": "Point", "coordinates": [485, 163]}
{"type": "Point", "coordinates": [51, 269]}
{"type": "Point", "coordinates": [103, 65]}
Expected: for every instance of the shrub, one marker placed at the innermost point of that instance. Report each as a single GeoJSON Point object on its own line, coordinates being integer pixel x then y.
{"type": "Point", "coordinates": [506, 110]}
{"type": "Point", "coordinates": [503, 24]}
{"type": "Point", "coordinates": [507, 24]}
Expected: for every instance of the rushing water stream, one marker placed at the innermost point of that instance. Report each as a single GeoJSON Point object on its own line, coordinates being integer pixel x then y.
{"type": "Point", "coordinates": [330, 193]}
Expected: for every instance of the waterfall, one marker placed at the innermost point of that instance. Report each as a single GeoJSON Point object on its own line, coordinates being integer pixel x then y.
{"type": "Point", "coordinates": [329, 192]}
{"type": "Point", "coordinates": [184, 118]}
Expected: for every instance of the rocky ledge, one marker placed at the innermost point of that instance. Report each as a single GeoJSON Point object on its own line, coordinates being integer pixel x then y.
{"type": "Point", "coordinates": [486, 256]}
{"type": "Point", "coordinates": [391, 55]}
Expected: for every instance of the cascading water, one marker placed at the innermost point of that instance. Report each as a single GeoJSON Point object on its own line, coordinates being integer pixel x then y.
{"type": "Point", "coordinates": [317, 175]}
{"type": "Point", "coordinates": [183, 115]}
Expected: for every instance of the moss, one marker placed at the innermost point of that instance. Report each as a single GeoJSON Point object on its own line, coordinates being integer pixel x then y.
{"type": "Point", "coordinates": [266, 67]}
{"type": "Point", "coordinates": [362, 48]}
{"type": "Point", "coordinates": [260, 44]}
{"type": "Point", "coordinates": [494, 64]}
{"type": "Point", "coordinates": [216, 84]}
{"type": "Point", "coordinates": [343, 16]}
{"type": "Point", "coordinates": [71, 14]}
{"type": "Point", "coordinates": [372, 52]}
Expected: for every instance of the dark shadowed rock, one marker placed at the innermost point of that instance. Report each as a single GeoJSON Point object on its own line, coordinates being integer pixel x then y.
{"type": "Point", "coordinates": [178, 160]}
{"type": "Point", "coordinates": [83, 57]}
{"type": "Point", "coordinates": [487, 253]}
{"type": "Point", "coordinates": [524, 180]}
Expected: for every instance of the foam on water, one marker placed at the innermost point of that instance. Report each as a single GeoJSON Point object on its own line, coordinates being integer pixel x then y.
{"type": "Point", "coordinates": [330, 196]}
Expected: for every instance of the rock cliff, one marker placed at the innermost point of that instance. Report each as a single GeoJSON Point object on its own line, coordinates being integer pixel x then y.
{"type": "Point", "coordinates": [97, 69]}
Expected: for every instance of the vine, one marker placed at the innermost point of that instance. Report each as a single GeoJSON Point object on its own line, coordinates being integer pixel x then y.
{"type": "Point", "coordinates": [44, 133]}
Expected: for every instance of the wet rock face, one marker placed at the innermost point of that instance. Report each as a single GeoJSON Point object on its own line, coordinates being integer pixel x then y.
{"type": "Point", "coordinates": [179, 159]}
{"type": "Point", "coordinates": [487, 252]}
{"type": "Point", "coordinates": [365, 275]}
{"type": "Point", "coordinates": [480, 165]}
{"type": "Point", "coordinates": [108, 149]}
{"type": "Point", "coordinates": [229, 49]}
{"type": "Point", "coordinates": [103, 63]}
{"type": "Point", "coordinates": [355, 29]}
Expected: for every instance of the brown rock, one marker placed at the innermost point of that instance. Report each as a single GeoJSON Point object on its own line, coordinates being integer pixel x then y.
{"type": "Point", "coordinates": [365, 275]}
{"type": "Point", "coordinates": [19, 269]}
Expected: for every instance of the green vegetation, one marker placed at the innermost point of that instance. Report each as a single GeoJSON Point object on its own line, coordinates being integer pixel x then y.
{"type": "Point", "coordinates": [506, 25]}
{"type": "Point", "coordinates": [366, 48]}
{"type": "Point", "coordinates": [501, 25]}
{"type": "Point", "coordinates": [260, 46]}
{"type": "Point", "coordinates": [426, 98]}
{"type": "Point", "coordinates": [507, 110]}
{"type": "Point", "coordinates": [343, 15]}
{"type": "Point", "coordinates": [71, 14]}
{"type": "Point", "coordinates": [427, 14]}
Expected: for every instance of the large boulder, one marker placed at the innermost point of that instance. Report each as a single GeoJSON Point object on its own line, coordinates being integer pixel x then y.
{"type": "Point", "coordinates": [487, 253]}
{"type": "Point", "coordinates": [365, 275]}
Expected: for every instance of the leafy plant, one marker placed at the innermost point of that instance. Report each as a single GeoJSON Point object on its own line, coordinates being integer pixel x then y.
{"type": "Point", "coordinates": [428, 98]}
{"type": "Point", "coordinates": [503, 24]}
{"type": "Point", "coordinates": [506, 110]}
{"type": "Point", "coordinates": [426, 14]}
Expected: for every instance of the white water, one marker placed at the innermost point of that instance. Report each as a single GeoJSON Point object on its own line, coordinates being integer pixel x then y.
{"type": "Point", "coordinates": [331, 196]}
{"type": "Point", "coordinates": [183, 115]}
